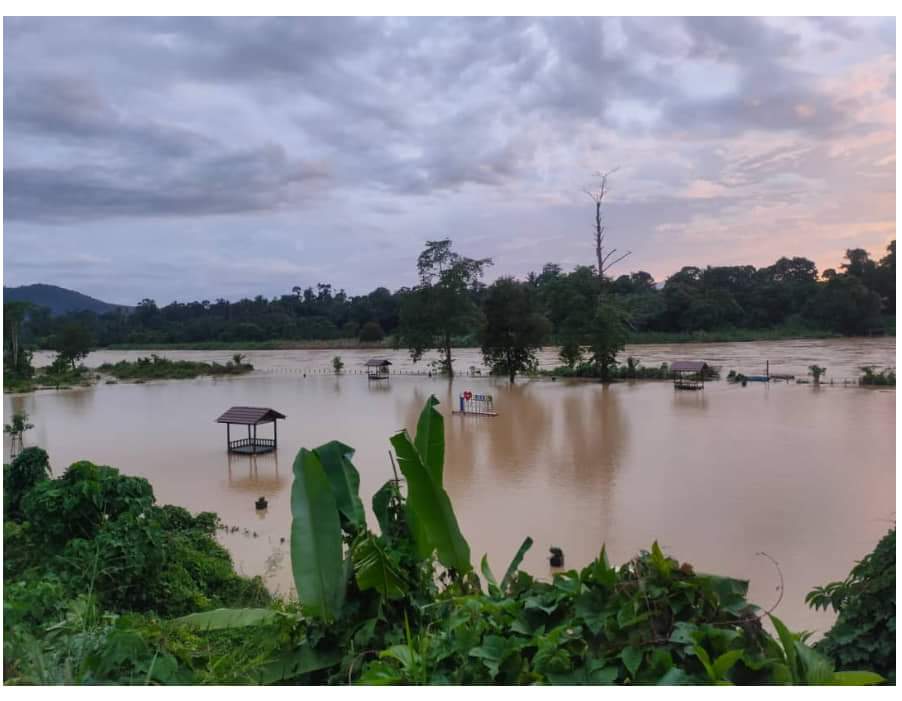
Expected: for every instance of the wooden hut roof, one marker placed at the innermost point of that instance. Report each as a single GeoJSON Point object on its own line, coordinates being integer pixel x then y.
{"type": "Point", "coordinates": [377, 362]}
{"type": "Point", "coordinates": [249, 415]}
{"type": "Point", "coordinates": [688, 365]}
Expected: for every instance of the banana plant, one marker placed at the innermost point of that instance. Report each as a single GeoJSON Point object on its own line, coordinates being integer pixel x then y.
{"type": "Point", "coordinates": [496, 589]}
{"type": "Point", "coordinates": [320, 573]}
{"type": "Point", "coordinates": [432, 518]}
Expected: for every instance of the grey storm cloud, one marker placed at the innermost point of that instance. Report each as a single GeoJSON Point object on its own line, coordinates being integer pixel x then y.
{"type": "Point", "coordinates": [314, 133]}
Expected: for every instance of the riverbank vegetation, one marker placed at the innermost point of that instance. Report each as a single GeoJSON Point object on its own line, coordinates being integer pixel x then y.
{"type": "Point", "coordinates": [158, 368]}
{"type": "Point", "coordinates": [788, 299]}
{"type": "Point", "coordinates": [865, 629]}
{"type": "Point", "coordinates": [882, 378]}
{"type": "Point", "coordinates": [102, 585]}
{"type": "Point", "coordinates": [631, 370]}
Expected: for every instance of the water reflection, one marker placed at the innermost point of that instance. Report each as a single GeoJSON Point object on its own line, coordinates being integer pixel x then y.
{"type": "Point", "coordinates": [690, 400]}
{"type": "Point", "coordinates": [257, 474]}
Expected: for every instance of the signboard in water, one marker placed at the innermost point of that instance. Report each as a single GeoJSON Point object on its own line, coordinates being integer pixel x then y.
{"type": "Point", "coordinates": [471, 403]}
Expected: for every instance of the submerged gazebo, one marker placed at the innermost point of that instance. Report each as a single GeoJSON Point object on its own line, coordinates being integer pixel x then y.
{"type": "Point", "coordinates": [377, 368]}
{"type": "Point", "coordinates": [689, 374]}
{"type": "Point", "coordinates": [250, 416]}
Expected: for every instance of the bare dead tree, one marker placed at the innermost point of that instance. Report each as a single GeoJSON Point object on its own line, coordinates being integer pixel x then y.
{"type": "Point", "coordinates": [604, 258]}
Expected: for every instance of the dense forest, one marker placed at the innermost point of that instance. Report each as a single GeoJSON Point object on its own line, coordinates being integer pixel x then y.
{"type": "Point", "coordinates": [853, 299]}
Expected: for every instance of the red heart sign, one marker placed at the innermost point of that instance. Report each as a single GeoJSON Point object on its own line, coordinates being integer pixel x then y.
{"type": "Point", "coordinates": [468, 395]}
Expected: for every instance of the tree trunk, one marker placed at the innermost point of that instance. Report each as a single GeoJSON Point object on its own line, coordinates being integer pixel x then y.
{"type": "Point", "coordinates": [448, 364]}
{"type": "Point", "coordinates": [598, 239]}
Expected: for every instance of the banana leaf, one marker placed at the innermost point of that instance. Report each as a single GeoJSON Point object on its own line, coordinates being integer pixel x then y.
{"type": "Point", "coordinates": [316, 547]}
{"type": "Point", "coordinates": [222, 619]}
{"type": "Point", "coordinates": [374, 569]}
{"type": "Point", "coordinates": [296, 663]}
{"type": "Point", "coordinates": [515, 563]}
{"type": "Point", "coordinates": [335, 458]}
{"type": "Point", "coordinates": [435, 526]}
{"type": "Point", "coordinates": [381, 501]}
{"type": "Point", "coordinates": [430, 439]}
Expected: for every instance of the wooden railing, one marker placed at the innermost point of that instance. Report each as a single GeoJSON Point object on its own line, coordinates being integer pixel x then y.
{"type": "Point", "coordinates": [253, 442]}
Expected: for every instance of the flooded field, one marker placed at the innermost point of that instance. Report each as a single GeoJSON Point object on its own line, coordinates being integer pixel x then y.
{"type": "Point", "coordinates": [843, 357]}
{"type": "Point", "coordinates": [804, 474]}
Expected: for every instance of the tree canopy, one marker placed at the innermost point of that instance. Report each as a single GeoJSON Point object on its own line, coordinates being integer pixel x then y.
{"type": "Point", "coordinates": [514, 327]}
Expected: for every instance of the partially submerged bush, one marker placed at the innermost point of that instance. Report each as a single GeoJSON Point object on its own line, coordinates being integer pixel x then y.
{"type": "Point", "coordinates": [158, 368]}
{"type": "Point", "coordinates": [864, 634]}
{"type": "Point", "coordinates": [883, 378]}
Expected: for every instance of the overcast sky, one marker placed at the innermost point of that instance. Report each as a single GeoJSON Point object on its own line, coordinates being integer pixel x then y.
{"type": "Point", "coordinates": [203, 158]}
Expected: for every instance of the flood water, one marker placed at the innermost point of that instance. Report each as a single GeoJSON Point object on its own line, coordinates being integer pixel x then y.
{"type": "Point", "coordinates": [804, 474]}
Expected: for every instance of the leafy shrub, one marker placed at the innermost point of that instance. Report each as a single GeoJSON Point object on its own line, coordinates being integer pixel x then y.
{"type": "Point", "coordinates": [77, 504]}
{"type": "Point", "coordinates": [158, 368]}
{"type": "Point", "coordinates": [865, 630]}
{"type": "Point", "coordinates": [883, 378]}
{"type": "Point", "coordinates": [99, 531]}
{"type": "Point", "coordinates": [27, 469]}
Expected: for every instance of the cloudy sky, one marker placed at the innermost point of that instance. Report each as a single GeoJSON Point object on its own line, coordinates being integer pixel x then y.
{"type": "Point", "coordinates": [199, 158]}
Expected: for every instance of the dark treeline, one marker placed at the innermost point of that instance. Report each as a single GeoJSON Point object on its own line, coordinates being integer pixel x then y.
{"type": "Point", "coordinates": [852, 299]}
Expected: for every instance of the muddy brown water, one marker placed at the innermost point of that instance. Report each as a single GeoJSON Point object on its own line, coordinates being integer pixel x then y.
{"type": "Point", "coordinates": [804, 474]}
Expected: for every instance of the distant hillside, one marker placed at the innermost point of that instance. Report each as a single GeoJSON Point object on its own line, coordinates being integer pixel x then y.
{"type": "Point", "coordinates": [58, 299]}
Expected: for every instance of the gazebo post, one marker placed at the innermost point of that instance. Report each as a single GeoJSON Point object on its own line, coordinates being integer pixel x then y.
{"type": "Point", "coordinates": [255, 439]}
{"type": "Point", "coordinates": [275, 434]}
{"type": "Point", "coordinates": [228, 437]}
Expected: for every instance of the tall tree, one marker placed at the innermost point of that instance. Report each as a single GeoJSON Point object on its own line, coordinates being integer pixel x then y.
{"type": "Point", "coordinates": [886, 278]}
{"type": "Point", "coordinates": [603, 257]}
{"type": "Point", "coordinates": [442, 306]}
{"type": "Point", "coordinates": [15, 358]}
{"type": "Point", "coordinates": [514, 327]}
{"type": "Point", "coordinates": [73, 343]}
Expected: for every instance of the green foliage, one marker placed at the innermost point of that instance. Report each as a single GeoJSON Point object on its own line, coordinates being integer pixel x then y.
{"type": "Point", "coordinates": [514, 327]}
{"type": "Point", "coordinates": [606, 336]}
{"type": "Point", "coordinates": [228, 619]}
{"type": "Point", "coordinates": [882, 378]}
{"type": "Point", "coordinates": [816, 371]}
{"type": "Point", "coordinates": [344, 479]}
{"type": "Point", "coordinates": [16, 357]}
{"type": "Point", "coordinates": [376, 568]}
{"type": "Point", "coordinates": [73, 342]}
{"type": "Point", "coordinates": [443, 305]}
{"type": "Point", "coordinates": [337, 365]}
{"type": "Point", "coordinates": [90, 561]}
{"type": "Point", "coordinates": [864, 634]}
{"type": "Point", "coordinates": [316, 552]}
{"type": "Point", "coordinates": [725, 303]}
{"type": "Point", "coordinates": [158, 368]}
{"type": "Point", "coordinates": [617, 372]}
{"type": "Point", "coordinates": [429, 509]}
{"type": "Point", "coordinates": [18, 425]}
{"type": "Point", "coordinates": [28, 468]}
